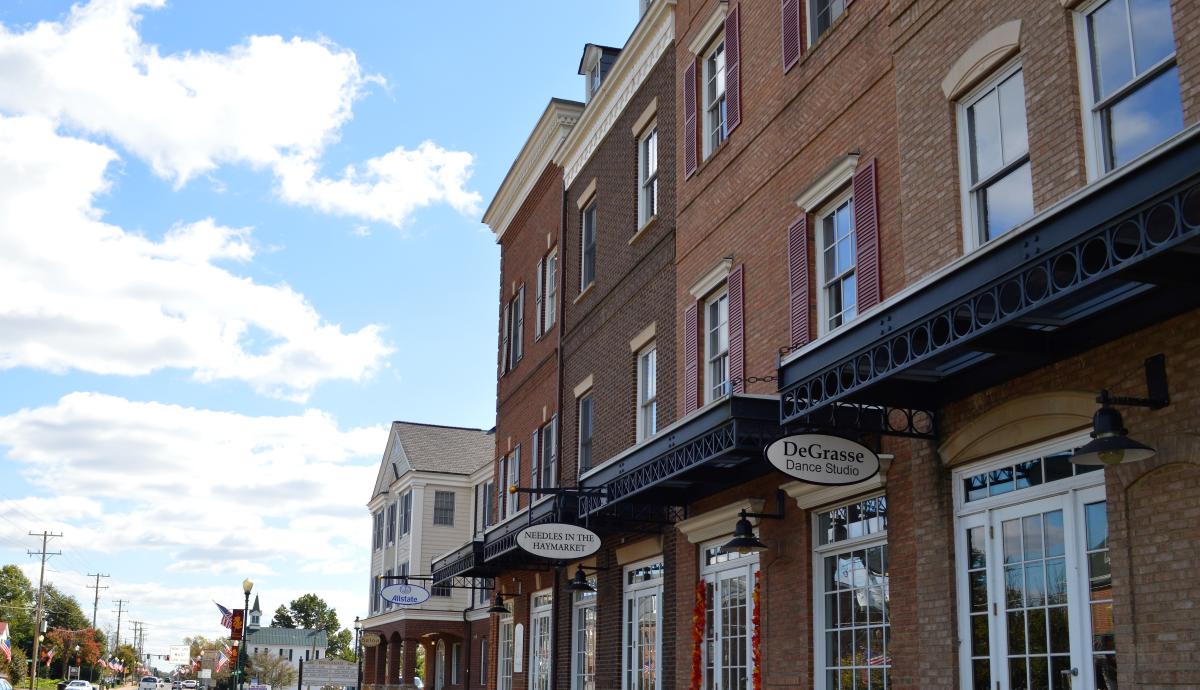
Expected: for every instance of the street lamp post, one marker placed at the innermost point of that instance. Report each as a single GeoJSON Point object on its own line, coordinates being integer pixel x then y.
{"type": "Point", "coordinates": [247, 585]}
{"type": "Point", "coordinates": [358, 649]}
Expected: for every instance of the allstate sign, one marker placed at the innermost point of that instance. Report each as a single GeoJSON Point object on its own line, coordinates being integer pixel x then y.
{"type": "Point", "coordinates": [821, 459]}
{"type": "Point", "coordinates": [404, 594]}
{"type": "Point", "coordinates": [559, 541]}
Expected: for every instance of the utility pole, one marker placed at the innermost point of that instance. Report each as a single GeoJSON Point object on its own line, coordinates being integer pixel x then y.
{"type": "Point", "coordinates": [138, 631]}
{"type": "Point", "coordinates": [96, 601]}
{"type": "Point", "coordinates": [117, 638]}
{"type": "Point", "coordinates": [37, 631]}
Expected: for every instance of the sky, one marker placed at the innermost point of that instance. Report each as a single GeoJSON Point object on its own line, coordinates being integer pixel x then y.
{"type": "Point", "coordinates": [237, 239]}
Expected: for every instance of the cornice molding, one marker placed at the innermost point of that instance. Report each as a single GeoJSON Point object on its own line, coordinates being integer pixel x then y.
{"type": "Point", "coordinates": [719, 521]}
{"type": "Point", "coordinates": [654, 33]}
{"type": "Point", "coordinates": [540, 147]}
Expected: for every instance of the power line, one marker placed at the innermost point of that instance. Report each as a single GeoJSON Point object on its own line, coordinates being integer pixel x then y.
{"type": "Point", "coordinates": [46, 536]}
{"type": "Point", "coordinates": [96, 601]}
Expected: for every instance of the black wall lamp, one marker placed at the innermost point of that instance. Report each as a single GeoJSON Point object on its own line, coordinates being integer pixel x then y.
{"type": "Point", "coordinates": [1110, 444]}
{"type": "Point", "coordinates": [744, 540]}
{"type": "Point", "coordinates": [498, 605]}
{"type": "Point", "coordinates": [579, 583]}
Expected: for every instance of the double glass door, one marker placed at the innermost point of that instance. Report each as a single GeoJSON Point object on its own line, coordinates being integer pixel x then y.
{"type": "Point", "coordinates": [539, 642]}
{"type": "Point", "coordinates": [1036, 594]}
{"type": "Point", "coordinates": [727, 629]}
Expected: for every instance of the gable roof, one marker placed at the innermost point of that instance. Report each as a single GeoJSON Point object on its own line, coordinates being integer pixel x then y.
{"type": "Point", "coordinates": [288, 637]}
{"type": "Point", "coordinates": [432, 448]}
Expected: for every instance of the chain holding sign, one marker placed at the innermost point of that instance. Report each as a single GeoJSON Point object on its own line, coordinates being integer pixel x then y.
{"type": "Point", "coordinates": [559, 541]}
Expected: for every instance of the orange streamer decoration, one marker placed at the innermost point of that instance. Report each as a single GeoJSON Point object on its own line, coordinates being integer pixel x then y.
{"type": "Point", "coordinates": [698, 611]}
{"type": "Point", "coordinates": [755, 637]}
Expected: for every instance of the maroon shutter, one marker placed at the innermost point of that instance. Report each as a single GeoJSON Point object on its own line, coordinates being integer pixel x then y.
{"type": "Point", "coordinates": [691, 357]}
{"type": "Point", "coordinates": [790, 32]}
{"type": "Point", "coordinates": [797, 254]}
{"type": "Point", "coordinates": [533, 461]}
{"type": "Point", "coordinates": [866, 237]}
{"type": "Point", "coordinates": [690, 140]}
{"type": "Point", "coordinates": [538, 301]}
{"type": "Point", "coordinates": [737, 330]}
{"type": "Point", "coordinates": [733, 70]}
{"type": "Point", "coordinates": [505, 338]}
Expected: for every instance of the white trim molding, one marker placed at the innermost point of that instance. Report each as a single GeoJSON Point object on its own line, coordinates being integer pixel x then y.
{"type": "Point", "coordinates": [589, 193]}
{"type": "Point", "coordinates": [646, 118]}
{"type": "Point", "coordinates": [989, 52]}
{"type": "Point", "coordinates": [708, 30]}
{"type": "Point", "coordinates": [719, 521]}
{"type": "Point", "coordinates": [711, 280]}
{"type": "Point", "coordinates": [654, 33]}
{"type": "Point", "coordinates": [809, 496]}
{"type": "Point", "coordinates": [644, 338]}
{"type": "Point", "coordinates": [834, 178]}
{"type": "Point", "coordinates": [583, 386]}
{"type": "Point", "coordinates": [539, 150]}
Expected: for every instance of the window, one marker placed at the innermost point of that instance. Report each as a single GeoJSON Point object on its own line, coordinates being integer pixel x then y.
{"type": "Point", "coordinates": [550, 312]}
{"type": "Point", "coordinates": [511, 500]}
{"type": "Point", "coordinates": [391, 523]}
{"type": "Point", "coordinates": [455, 655]}
{"type": "Point", "coordinates": [585, 433]}
{"type": "Point", "coordinates": [306, 654]}
{"type": "Point", "coordinates": [484, 494]}
{"type": "Point", "coordinates": [587, 274]}
{"type": "Point", "coordinates": [377, 535]}
{"type": "Point", "coordinates": [515, 327]}
{"type": "Point", "coordinates": [594, 79]}
{"type": "Point", "coordinates": [851, 593]}
{"type": "Point", "coordinates": [545, 467]}
{"type": "Point", "coordinates": [405, 513]}
{"type": "Point", "coordinates": [647, 420]}
{"type": "Point", "coordinates": [387, 604]}
{"type": "Point", "coordinates": [583, 640]}
{"type": "Point", "coordinates": [1033, 572]}
{"type": "Point", "coordinates": [643, 592]}
{"type": "Point", "coordinates": [835, 266]}
{"type": "Point", "coordinates": [1130, 80]}
{"type": "Point", "coordinates": [376, 585]}
{"type": "Point", "coordinates": [436, 591]}
{"type": "Point", "coordinates": [995, 158]}
{"type": "Point", "coordinates": [728, 617]}
{"type": "Point", "coordinates": [504, 655]}
{"type": "Point", "coordinates": [540, 646]}
{"type": "Point", "coordinates": [443, 508]}
{"type": "Point", "coordinates": [648, 176]}
{"type": "Point", "coordinates": [714, 97]}
{"type": "Point", "coordinates": [823, 13]}
{"type": "Point", "coordinates": [716, 346]}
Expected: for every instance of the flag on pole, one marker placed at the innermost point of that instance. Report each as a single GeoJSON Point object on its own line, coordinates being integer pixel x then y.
{"type": "Point", "coordinates": [5, 645]}
{"type": "Point", "coordinates": [226, 616]}
{"type": "Point", "coordinates": [49, 657]}
{"type": "Point", "coordinates": [221, 661]}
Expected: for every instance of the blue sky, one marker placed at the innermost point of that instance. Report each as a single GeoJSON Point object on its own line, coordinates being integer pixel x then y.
{"type": "Point", "coordinates": [240, 239]}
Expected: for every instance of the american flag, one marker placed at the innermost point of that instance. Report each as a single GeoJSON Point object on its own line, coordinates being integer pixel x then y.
{"type": "Point", "coordinates": [226, 616]}
{"type": "Point", "coordinates": [49, 657]}
{"type": "Point", "coordinates": [221, 661]}
{"type": "Point", "coordinates": [5, 645]}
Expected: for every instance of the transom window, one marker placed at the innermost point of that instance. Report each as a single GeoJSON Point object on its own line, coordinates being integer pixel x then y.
{"type": "Point", "coordinates": [996, 149]}
{"type": "Point", "coordinates": [647, 421]}
{"type": "Point", "coordinates": [853, 616]}
{"type": "Point", "coordinates": [1131, 78]}
{"type": "Point", "coordinates": [587, 273]}
{"type": "Point", "coordinates": [822, 13]}
{"type": "Point", "coordinates": [648, 176]}
{"type": "Point", "coordinates": [839, 291]}
{"type": "Point", "coordinates": [714, 97]}
{"type": "Point", "coordinates": [1023, 475]}
{"type": "Point", "coordinates": [716, 346]}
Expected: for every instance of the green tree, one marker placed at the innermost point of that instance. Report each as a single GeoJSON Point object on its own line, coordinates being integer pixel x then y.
{"type": "Point", "coordinates": [283, 618]}
{"type": "Point", "coordinates": [127, 655]}
{"type": "Point", "coordinates": [341, 646]}
{"type": "Point", "coordinates": [275, 671]}
{"type": "Point", "coordinates": [311, 611]}
{"type": "Point", "coordinates": [17, 605]}
{"type": "Point", "coordinates": [63, 611]}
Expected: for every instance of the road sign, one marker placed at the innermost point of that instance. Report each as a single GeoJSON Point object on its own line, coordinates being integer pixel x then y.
{"type": "Point", "coordinates": [330, 673]}
{"type": "Point", "coordinates": [180, 655]}
{"type": "Point", "coordinates": [205, 673]}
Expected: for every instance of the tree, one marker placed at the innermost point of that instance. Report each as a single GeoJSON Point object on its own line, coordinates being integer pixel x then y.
{"type": "Point", "coordinates": [15, 670]}
{"type": "Point", "coordinates": [341, 646]}
{"type": "Point", "coordinates": [283, 618]}
{"type": "Point", "coordinates": [62, 610]}
{"type": "Point", "coordinates": [17, 604]}
{"type": "Point", "coordinates": [275, 671]}
{"type": "Point", "coordinates": [311, 611]}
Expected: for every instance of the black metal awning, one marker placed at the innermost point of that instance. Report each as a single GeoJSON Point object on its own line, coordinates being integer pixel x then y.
{"type": "Point", "coordinates": [498, 550]}
{"type": "Point", "coordinates": [717, 448]}
{"type": "Point", "coordinates": [1116, 258]}
{"type": "Point", "coordinates": [466, 561]}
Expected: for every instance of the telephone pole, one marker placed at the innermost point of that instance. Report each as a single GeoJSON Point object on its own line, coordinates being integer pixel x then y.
{"type": "Point", "coordinates": [96, 601]}
{"type": "Point", "coordinates": [138, 632]}
{"type": "Point", "coordinates": [37, 631]}
{"type": "Point", "coordinates": [117, 638]}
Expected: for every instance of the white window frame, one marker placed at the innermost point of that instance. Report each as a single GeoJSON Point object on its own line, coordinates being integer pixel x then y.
{"type": "Point", "coordinates": [1074, 492]}
{"type": "Point", "coordinates": [819, 553]}
{"type": "Point", "coordinates": [550, 306]}
{"type": "Point", "coordinates": [582, 602]}
{"type": "Point", "coordinates": [630, 594]}
{"type": "Point", "coordinates": [405, 516]}
{"type": "Point", "coordinates": [648, 196]}
{"type": "Point", "coordinates": [711, 575]}
{"type": "Point", "coordinates": [544, 608]}
{"type": "Point", "coordinates": [713, 113]}
{"type": "Point", "coordinates": [647, 392]}
{"type": "Point", "coordinates": [512, 503]}
{"type": "Point", "coordinates": [972, 222]}
{"type": "Point", "coordinates": [591, 444]}
{"type": "Point", "coordinates": [453, 500]}
{"type": "Point", "coordinates": [590, 207]}
{"type": "Point", "coordinates": [455, 660]}
{"type": "Point", "coordinates": [505, 653]}
{"type": "Point", "coordinates": [828, 209]}
{"type": "Point", "coordinates": [516, 328]}
{"type": "Point", "coordinates": [547, 462]}
{"type": "Point", "coordinates": [713, 359]}
{"type": "Point", "coordinates": [810, 16]}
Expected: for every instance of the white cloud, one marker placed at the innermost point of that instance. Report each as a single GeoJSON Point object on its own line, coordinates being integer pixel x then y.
{"type": "Point", "coordinates": [269, 103]}
{"type": "Point", "coordinates": [218, 492]}
{"type": "Point", "coordinates": [78, 293]}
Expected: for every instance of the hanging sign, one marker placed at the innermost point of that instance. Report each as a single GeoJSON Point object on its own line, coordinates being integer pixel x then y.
{"type": "Point", "coordinates": [404, 594]}
{"type": "Point", "coordinates": [824, 460]}
{"type": "Point", "coordinates": [559, 541]}
{"type": "Point", "coordinates": [371, 639]}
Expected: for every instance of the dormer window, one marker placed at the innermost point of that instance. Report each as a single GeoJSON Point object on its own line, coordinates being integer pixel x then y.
{"type": "Point", "coordinates": [593, 80]}
{"type": "Point", "coordinates": [594, 66]}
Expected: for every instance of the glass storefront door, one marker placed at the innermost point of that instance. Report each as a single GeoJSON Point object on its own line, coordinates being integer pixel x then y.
{"type": "Point", "coordinates": [540, 645]}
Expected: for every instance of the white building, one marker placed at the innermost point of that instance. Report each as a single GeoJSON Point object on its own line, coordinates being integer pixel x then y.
{"type": "Point", "coordinates": [294, 644]}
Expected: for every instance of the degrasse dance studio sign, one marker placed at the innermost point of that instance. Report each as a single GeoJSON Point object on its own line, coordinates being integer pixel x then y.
{"type": "Point", "coordinates": [559, 541]}
{"type": "Point", "coordinates": [821, 459]}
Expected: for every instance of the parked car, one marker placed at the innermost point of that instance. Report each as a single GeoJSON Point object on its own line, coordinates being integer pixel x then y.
{"type": "Point", "coordinates": [4, 683]}
{"type": "Point", "coordinates": [176, 685]}
{"type": "Point", "coordinates": [148, 683]}
{"type": "Point", "coordinates": [80, 685]}
{"type": "Point", "coordinates": [190, 685]}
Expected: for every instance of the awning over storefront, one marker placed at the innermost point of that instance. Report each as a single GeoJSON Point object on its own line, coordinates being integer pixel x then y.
{"type": "Point", "coordinates": [1115, 257]}
{"type": "Point", "coordinates": [498, 550]}
{"type": "Point", "coordinates": [718, 447]}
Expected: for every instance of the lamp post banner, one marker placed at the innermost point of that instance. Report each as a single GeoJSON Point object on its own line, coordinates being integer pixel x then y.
{"type": "Point", "coordinates": [558, 541]}
{"type": "Point", "coordinates": [822, 459]}
{"type": "Point", "coordinates": [237, 618]}
{"type": "Point", "coordinates": [404, 594]}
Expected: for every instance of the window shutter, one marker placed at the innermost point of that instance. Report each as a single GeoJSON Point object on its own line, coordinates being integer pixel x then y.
{"type": "Point", "coordinates": [790, 33]}
{"type": "Point", "coordinates": [691, 142]}
{"type": "Point", "coordinates": [505, 339]}
{"type": "Point", "coordinates": [691, 357]}
{"type": "Point", "coordinates": [538, 300]}
{"type": "Point", "coordinates": [797, 253]}
{"type": "Point", "coordinates": [533, 460]}
{"type": "Point", "coordinates": [553, 450]}
{"type": "Point", "coordinates": [737, 329]}
{"type": "Point", "coordinates": [733, 69]}
{"type": "Point", "coordinates": [866, 237]}
{"type": "Point", "coordinates": [519, 331]}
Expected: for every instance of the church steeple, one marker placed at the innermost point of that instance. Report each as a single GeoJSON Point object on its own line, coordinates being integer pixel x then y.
{"type": "Point", "coordinates": [255, 615]}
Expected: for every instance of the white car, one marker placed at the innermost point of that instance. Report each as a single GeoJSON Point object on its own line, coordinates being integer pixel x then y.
{"type": "Point", "coordinates": [80, 685]}
{"type": "Point", "coordinates": [190, 684]}
{"type": "Point", "coordinates": [148, 683]}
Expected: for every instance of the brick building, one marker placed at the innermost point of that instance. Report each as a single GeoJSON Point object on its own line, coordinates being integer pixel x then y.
{"type": "Point", "coordinates": [935, 229]}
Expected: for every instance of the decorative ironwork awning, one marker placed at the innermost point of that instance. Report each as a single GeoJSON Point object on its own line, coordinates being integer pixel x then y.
{"type": "Point", "coordinates": [498, 550]}
{"type": "Point", "coordinates": [1119, 256]}
{"type": "Point", "coordinates": [717, 448]}
{"type": "Point", "coordinates": [466, 561]}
